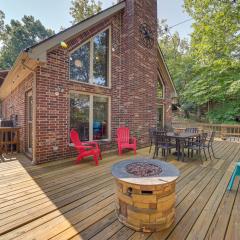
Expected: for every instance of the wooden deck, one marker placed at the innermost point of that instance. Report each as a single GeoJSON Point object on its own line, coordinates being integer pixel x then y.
{"type": "Point", "coordinates": [61, 200]}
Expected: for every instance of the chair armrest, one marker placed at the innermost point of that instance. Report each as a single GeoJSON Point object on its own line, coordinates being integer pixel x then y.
{"type": "Point", "coordinates": [133, 140]}
{"type": "Point", "coordinates": [85, 147]}
{"type": "Point", "coordinates": [91, 144]}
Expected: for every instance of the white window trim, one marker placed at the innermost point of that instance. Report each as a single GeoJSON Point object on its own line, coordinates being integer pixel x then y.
{"type": "Point", "coordinates": [91, 114]}
{"type": "Point", "coordinates": [163, 86]}
{"type": "Point", "coordinates": [91, 59]}
{"type": "Point", "coordinates": [163, 107]}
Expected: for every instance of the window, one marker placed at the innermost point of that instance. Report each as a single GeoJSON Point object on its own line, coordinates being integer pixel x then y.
{"type": "Point", "coordinates": [79, 115]}
{"type": "Point", "coordinates": [90, 62]}
{"type": "Point", "coordinates": [100, 118]}
{"type": "Point", "coordinates": [160, 116]}
{"type": "Point", "coordinates": [89, 115]}
{"type": "Point", "coordinates": [80, 63]}
{"type": "Point", "coordinates": [160, 89]}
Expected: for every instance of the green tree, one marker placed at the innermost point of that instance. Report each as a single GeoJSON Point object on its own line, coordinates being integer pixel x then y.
{"type": "Point", "coordinates": [176, 52]}
{"type": "Point", "coordinates": [19, 35]}
{"type": "Point", "coordinates": [2, 16]}
{"type": "Point", "coordinates": [82, 9]}
{"type": "Point", "coordinates": [215, 48]}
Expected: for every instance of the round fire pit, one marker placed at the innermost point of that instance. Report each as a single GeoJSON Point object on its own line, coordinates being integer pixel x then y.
{"type": "Point", "coordinates": [145, 195]}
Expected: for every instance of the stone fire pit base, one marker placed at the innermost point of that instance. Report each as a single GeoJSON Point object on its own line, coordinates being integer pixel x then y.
{"type": "Point", "coordinates": [147, 203]}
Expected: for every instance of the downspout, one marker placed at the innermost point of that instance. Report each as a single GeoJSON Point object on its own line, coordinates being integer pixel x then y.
{"type": "Point", "coordinates": [34, 92]}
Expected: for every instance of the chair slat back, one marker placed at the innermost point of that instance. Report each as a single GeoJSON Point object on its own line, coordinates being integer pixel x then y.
{"type": "Point", "coordinates": [203, 138]}
{"type": "Point", "coordinates": [152, 132]}
{"type": "Point", "coordinates": [75, 138]}
{"type": "Point", "coordinates": [123, 134]}
{"type": "Point", "coordinates": [191, 130]}
{"type": "Point", "coordinates": [161, 138]}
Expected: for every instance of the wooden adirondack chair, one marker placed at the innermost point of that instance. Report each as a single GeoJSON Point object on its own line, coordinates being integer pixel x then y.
{"type": "Point", "coordinates": [85, 149]}
{"type": "Point", "coordinates": [236, 173]}
{"type": "Point", "coordinates": [125, 141]}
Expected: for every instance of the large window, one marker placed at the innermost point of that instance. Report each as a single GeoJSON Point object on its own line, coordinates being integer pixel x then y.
{"type": "Point", "coordinates": [89, 116]}
{"type": "Point", "coordinates": [90, 62]}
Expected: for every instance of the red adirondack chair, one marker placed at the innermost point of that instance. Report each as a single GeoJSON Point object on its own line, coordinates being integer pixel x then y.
{"type": "Point", "coordinates": [85, 149]}
{"type": "Point", "coordinates": [125, 141]}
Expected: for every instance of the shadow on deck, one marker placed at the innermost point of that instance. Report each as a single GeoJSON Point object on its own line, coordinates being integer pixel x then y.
{"type": "Point", "coordinates": [62, 200]}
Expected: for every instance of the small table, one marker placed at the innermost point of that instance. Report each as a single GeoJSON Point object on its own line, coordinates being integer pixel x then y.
{"type": "Point", "coordinates": [145, 193]}
{"type": "Point", "coordinates": [181, 137]}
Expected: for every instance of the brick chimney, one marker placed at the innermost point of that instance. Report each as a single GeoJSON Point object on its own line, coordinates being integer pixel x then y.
{"type": "Point", "coordinates": [139, 68]}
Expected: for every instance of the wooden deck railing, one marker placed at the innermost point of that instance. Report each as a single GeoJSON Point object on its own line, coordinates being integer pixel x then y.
{"type": "Point", "coordinates": [222, 130]}
{"type": "Point", "coordinates": [9, 139]}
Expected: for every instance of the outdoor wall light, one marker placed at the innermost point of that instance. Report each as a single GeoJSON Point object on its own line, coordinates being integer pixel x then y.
{"type": "Point", "coordinates": [58, 90]}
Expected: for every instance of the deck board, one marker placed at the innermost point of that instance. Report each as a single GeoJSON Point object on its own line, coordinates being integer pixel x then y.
{"type": "Point", "coordinates": [62, 200]}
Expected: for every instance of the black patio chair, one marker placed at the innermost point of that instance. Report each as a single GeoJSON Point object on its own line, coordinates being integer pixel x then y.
{"type": "Point", "coordinates": [162, 141]}
{"type": "Point", "coordinates": [198, 144]}
{"type": "Point", "coordinates": [209, 145]}
{"type": "Point", "coordinates": [191, 130]}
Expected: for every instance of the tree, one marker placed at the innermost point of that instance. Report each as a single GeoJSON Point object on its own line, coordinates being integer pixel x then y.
{"type": "Point", "coordinates": [19, 35]}
{"type": "Point", "coordinates": [215, 48]}
{"type": "Point", "coordinates": [82, 9]}
{"type": "Point", "coordinates": [176, 52]}
{"type": "Point", "coordinates": [2, 17]}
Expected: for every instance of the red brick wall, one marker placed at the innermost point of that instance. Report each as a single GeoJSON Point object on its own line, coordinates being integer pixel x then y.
{"type": "Point", "coordinates": [133, 82]}
{"type": "Point", "coordinates": [133, 85]}
{"type": "Point", "coordinates": [52, 114]}
{"type": "Point", "coordinates": [16, 104]}
{"type": "Point", "coordinates": [138, 83]}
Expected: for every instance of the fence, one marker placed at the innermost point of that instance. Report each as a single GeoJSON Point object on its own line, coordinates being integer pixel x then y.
{"type": "Point", "coordinates": [9, 139]}
{"type": "Point", "coordinates": [222, 130]}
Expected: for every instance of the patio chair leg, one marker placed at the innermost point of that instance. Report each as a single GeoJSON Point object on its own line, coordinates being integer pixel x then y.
{"type": "Point", "coordinates": [79, 158]}
{"type": "Point", "coordinates": [95, 159]}
{"type": "Point", "coordinates": [200, 154]}
{"type": "Point", "coordinates": [150, 149]}
{"type": "Point", "coordinates": [166, 155]}
{"type": "Point", "coordinates": [155, 152]}
{"type": "Point", "coordinates": [205, 154]}
{"type": "Point", "coordinates": [209, 154]}
{"type": "Point", "coordinates": [214, 154]}
{"type": "Point", "coordinates": [183, 154]}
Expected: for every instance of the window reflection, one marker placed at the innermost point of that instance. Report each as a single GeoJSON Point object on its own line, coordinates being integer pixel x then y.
{"type": "Point", "coordinates": [80, 63]}
{"type": "Point", "coordinates": [79, 115]}
{"type": "Point", "coordinates": [100, 59]}
{"type": "Point", "coordinates": [90, 62]}
{"type": "Point", "coordinates": [100, 118]}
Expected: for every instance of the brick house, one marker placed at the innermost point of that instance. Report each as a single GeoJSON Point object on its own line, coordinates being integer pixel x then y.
{"type": "Point", "coordinates": [109, 75]}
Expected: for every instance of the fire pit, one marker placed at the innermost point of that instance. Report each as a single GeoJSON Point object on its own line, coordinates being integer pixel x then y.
{"type": "Point", "coordinates": [145, 193]}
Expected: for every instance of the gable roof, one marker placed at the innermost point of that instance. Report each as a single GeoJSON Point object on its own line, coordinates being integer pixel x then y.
{"type": "Point", "coordinates": [31, 57]}
{"type": "Point", "coordinates": [37, 54]}
{"type": "Point", "coordinates": [39, 51]}
{"type": "Point", "coordinates": [3, 74]}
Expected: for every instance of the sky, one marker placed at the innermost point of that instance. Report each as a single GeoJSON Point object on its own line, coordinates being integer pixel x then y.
{"type": "Point", "coordinates": [55, 16]}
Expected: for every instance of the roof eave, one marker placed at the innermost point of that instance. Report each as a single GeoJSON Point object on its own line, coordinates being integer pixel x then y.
{"type": "Point", "coordinates": [39, 52]}
{"type": "Point", "coordinates": [17, 73]}
{"type": "Point", "coordinates": [167, 70]}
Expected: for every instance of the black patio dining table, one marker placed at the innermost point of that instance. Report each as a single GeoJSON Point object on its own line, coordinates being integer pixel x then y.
{"type": "Point", "coordinates": [181, 137]}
